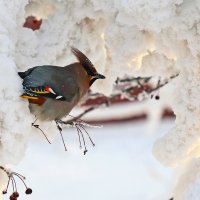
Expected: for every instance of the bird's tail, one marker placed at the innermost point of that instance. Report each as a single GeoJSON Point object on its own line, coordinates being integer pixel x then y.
{"type": "Point", "coordinates": [26, 73]}
{"type": "Point", "coordinates": [22, 75]}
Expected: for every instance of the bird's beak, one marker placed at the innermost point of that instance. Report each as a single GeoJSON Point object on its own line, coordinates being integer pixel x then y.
{"type": "Point", "coordinates": [99, 76]}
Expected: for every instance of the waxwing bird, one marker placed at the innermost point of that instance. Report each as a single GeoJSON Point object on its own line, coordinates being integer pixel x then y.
{"type": "Point", "coordinates": [53, 91]}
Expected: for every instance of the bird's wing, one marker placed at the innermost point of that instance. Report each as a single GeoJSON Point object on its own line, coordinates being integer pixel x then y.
{"type": "Point", "coordinates": [49, 82]}
{"type": "Point", "coordinates": [41, 91]}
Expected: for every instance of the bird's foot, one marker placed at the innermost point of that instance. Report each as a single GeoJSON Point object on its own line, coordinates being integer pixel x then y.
{"type": "Point", "coordinates": [11, 179]}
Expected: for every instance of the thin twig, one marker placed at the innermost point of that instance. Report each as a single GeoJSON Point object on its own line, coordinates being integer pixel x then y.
{"type": "Point", "coordinates": [81, 115]}
{"type": "Point", "coordinates": [38, 127]}
{"type": "Point", "coordinates": [60, 131]}
{"type": "Point", "coordinates": [140, 82]}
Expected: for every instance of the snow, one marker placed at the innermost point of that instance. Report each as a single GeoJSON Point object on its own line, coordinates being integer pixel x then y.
{"type": "Point", "coordinates": [137, 38]}
{"type": "Point", "coordinates": [120, 166]}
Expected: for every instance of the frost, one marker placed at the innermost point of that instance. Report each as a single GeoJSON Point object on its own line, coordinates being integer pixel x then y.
{"type": "Point", "coordinates": [137, 38]}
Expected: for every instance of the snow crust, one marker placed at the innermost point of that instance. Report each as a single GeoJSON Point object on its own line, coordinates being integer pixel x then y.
{"type": "Point", "coordinates": [140, 38]}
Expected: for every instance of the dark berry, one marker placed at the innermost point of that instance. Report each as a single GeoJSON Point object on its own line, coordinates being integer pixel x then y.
{"type": "Point", "coordinates": [35, 21]}
{"type": "Point", "coordinates": [157, 97]}
{"type": "Point", "coordinates": [28, 191]}
{"type": "Point", "coordinates": [13, 198]}
{"type": "Point", "coordinates": [4, 192]}
{"type": "Point", "coordinates": [15, 194]}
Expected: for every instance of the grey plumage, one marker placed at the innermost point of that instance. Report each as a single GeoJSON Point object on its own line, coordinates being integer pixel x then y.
{"type": "Point", "coordinates": [53, 91]}
{"type": "Point", "coordinates": [60, 79]}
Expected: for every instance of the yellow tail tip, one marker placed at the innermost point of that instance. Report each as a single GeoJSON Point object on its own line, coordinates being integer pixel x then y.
{"type": "Point", "coordinates": [28, 97]}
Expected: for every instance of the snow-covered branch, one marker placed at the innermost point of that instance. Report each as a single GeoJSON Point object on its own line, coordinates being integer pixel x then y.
{"type": "Point", "coordinates": [131, 89]}
{"type": "Point", "coordinates": [139, 38]}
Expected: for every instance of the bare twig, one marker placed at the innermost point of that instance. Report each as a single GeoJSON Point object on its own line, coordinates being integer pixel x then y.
{"type": "Point", "coordinates": [70, 122]}
{"type": "Point", "coordinates": [11, 179]}
{"type": "Point", "coordinates": [79, 125]}
{"type": "Point", "coordinates": [38, 127]}
{"type": "Point", "coordinates": [141, 83]}
{"type": "Point", "coordinates": [136, 85]}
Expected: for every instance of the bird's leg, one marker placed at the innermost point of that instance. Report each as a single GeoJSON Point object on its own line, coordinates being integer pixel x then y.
{"type": "Point", "coordinates": [37, 127]}
{"type": "Point", "coordinates": [58, 122]}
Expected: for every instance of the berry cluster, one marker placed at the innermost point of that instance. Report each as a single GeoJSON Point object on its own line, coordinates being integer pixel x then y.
{"type": "Point", "coordinates": [11, 178]}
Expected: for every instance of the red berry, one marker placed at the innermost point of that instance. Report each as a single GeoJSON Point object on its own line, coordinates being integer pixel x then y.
{"type": "Point", "coordinates": [15, 194]}
{"type": "Point", "coordinates": [33, 23]}
{"type": "Point", "coordinates": [13, 198]}
{"type": "Point", "coordinates": [28, 191]}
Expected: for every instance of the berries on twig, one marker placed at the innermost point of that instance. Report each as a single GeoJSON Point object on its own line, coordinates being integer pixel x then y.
{"type": "Point", "coordinates": [11, 178]}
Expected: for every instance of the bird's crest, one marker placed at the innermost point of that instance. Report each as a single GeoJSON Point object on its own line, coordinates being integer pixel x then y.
{"type": "Point", "coordinates": [86, 63]}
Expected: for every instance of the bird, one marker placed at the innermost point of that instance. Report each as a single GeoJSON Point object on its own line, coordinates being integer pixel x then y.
{"type": "Point", "coordinates": [53, 91]}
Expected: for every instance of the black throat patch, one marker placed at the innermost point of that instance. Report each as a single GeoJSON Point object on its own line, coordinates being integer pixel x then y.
{"type": "Point", "coordinates": [92, 81]}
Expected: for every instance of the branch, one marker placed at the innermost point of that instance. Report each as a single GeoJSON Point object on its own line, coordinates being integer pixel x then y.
{"type": "Point", "coordinates": [129, 89]}
{"type": "Point", "coordinates": [80, 115]}
{"type": "Point", "coordinates": [11, 179]}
